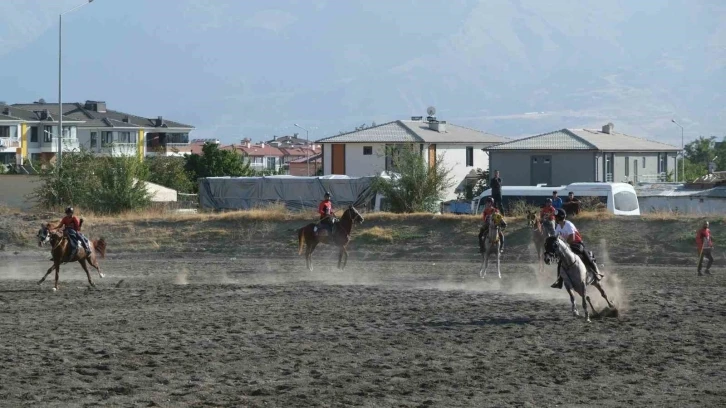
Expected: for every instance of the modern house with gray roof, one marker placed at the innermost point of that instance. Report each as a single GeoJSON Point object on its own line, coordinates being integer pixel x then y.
{"type": "Point", "coordinates": [581, 155]}
{"type": "Point", "coordinates": [365, 152]}
{"type": "Point", "coordinates": [106, 131]}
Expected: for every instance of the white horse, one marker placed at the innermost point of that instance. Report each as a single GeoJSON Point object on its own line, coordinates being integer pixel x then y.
{"type": "Point", "coordinates": [574, 273]}
{"type": "Point", "coordinates": [492, 244]}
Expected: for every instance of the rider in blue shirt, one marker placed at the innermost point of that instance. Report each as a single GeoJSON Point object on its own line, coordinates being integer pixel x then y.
{"type": "Point", "coordinates": [556, 201]}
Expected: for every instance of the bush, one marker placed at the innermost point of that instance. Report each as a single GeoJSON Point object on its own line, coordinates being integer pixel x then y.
{"type": "Point", "coordinates": [214, 162]}
{"type": "Point", "coordinates": [169, 171]}
{"type": "Point", "coordinates": [417, 187]}
{"type": "Point", "coordinates": [106, 185]}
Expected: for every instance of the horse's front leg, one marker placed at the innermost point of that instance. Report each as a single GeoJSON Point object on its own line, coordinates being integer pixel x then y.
{"type": "Point", "coordinates": [585, 299]}
{"type": "Point", "coordinates": [499, 252]}
{"type": "Point", "coordinates": [572, 302]}
{"type": "Point", "coordinates": [57, 276]}
{"type": "Point", "coordinates": [46, 274]}
{"type": "Point", "coordinates": [484, 263]}
{"type": "Point", "coordinates": [345, 257]}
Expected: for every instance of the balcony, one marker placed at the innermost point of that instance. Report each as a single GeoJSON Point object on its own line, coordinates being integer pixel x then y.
{"type": "Point", "coordinates": [8, 144]}
{"type": "Point", "coordinates": [120, 149]}
{"type": "Point", "coordinates": [69, 144]}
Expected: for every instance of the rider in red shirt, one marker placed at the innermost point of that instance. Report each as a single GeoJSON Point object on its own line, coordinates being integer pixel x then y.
{"type": "Point", "coordinates": [489, 210]}
{"type": "Point", "coordinates": [327, 216]}
{"type": "Point", "coordinates": [705, 247]}
{"type": "Point", "coordinates": [72, 229]}
{"type": "Point", "coordinates": [548, 211]}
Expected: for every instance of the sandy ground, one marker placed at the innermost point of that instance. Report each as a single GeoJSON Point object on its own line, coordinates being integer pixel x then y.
{"type": "Point", "coordinates": [221, 331]}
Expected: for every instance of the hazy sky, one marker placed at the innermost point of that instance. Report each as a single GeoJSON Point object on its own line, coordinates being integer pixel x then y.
{"type": "Point", "coordinates": [253, 68]}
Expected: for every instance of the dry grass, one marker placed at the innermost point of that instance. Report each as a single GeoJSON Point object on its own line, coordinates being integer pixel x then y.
{"type": "Point", "coordinates": [377, 234]}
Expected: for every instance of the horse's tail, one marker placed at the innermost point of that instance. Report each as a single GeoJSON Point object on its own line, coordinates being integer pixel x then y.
{"type": "Point", "coordinates": [300, 241]}
{"type": "Point", "coordinates": [100, 246]}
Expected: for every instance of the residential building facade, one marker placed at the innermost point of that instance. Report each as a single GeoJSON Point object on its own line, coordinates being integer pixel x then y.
{"type": "Point", "coordinates": [366, 152]}
{"type": "Point", "coordinates": [582, 155]}
{"type": "Point", "coordinates": [91, 126]}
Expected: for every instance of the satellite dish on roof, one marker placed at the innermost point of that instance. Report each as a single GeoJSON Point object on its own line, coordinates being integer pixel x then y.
{"type": "Point", "coordinates": [431, 111]}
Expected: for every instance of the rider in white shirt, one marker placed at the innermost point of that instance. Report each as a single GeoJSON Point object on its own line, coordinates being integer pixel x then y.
{"type": "Point", "coordinates": [571, 235]}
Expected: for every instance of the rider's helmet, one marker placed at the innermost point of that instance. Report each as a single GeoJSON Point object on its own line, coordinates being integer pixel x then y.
{"type": "Point", "coordinates": [327, 194]}
{"type": "Point", "coordinates": [489, 200]}
{"type": "Point", "coordinates": [561, 215]}
{"type": "Point", "coordinates": [548, 201]}
{"type": "Point", "coordinates": [69, 211]}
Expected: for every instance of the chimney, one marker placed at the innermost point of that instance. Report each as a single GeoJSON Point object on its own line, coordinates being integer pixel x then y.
{"type": "Point", "coordinates": [274, 137]}
{"type": "Point", "coordinates": [45, 115]}
{"type": "Point", "coordinates": [159, 121]}
{"type": "Point", "coordinates": [126, 119]}
{"type": "Point", "coordinates": [6, 111]}
{"type": "Point", "coordinates": [438, 126]}
{"type": "Point", "coordinates": [608, 128]}
{"type": "Point", "coordinates": [100, 106]}
{"type": "Point", "coordinates": [262, 145]}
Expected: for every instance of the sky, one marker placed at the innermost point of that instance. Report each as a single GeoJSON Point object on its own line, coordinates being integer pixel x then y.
{"type": "Point", "coordinates": [255, 68]}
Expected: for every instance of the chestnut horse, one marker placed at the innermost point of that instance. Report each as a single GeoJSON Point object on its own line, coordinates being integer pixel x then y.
{"type": "Point", "coordinates": [340, 237]}
{"type": "Point", "coordinates": [60, 249]}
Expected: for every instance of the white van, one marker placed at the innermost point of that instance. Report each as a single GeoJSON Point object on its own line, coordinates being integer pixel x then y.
{"type": "Point", "coordinates": [619, 198]}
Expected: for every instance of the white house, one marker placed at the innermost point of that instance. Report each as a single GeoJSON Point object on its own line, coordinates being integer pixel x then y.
{"type": "Point", "coordinates": [363, 152]}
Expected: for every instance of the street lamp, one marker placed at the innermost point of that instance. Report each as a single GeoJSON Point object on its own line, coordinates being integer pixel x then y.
{"type": "Point", "coordinates": [307, 150]}
{"type": "Point", "coordinates": [683, 155]}
{"type": "Point", "coordinates": [60, 80]}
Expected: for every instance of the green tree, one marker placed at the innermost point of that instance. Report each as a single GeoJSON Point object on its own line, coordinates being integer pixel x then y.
{"type": "Point", "coordinates": [120, 186]}
{"type": "Point", "coordinates": [169, 171]}
{"type": "Point", "coordinates": [416, 186]}
{"type": "Point", "coordinates": [70, 184]}
{"type": "Point", "coordinates": [214, 162]}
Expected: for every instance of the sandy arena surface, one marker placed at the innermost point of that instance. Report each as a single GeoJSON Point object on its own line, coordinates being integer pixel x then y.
{"type": "Point", "coordinates": [220, 331]}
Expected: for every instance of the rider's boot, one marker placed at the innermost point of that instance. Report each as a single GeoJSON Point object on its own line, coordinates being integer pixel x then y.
{"type": "Point", "coordinates": [558, 283]}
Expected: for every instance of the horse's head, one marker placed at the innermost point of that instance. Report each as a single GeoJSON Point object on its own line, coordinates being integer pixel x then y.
{"type": "Point", "coordinates": [354, 215]}
{"type": "Point", "coordinates": [551, 249]}
{"type": "Point", "coordinates": [548, 227]}
{"type": "Point", "coordinates": [43, 235]}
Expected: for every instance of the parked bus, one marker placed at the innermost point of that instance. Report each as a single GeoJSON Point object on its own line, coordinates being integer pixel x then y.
{"type": "Point", "coordinates": [618, 198]}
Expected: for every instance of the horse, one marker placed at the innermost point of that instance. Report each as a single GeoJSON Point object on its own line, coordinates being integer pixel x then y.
{"type": "Point", "coordinates": [540, 232]}
{"type": "Point", "coordinates": [308, 238]}
{"type": "Point", "coordinates": [492, 244]}
{"type": "Point", "coordinates": [574, 273]}
{"type": "Point", "coordinates": [60, 249]}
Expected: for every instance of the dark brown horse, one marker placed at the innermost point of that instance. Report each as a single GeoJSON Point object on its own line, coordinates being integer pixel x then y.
{"type": "Point", "coordinates": [539, 235]}
{"type": "Point", "coordinates": [60, 251]}
{"type": "Point", "coordinates": [340, 237]}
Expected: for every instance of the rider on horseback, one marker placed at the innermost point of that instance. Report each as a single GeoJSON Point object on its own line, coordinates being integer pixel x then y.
{"type": "Point", "coordinates": [327, 216]}
{"type": "Point", "coordinates": [489, 210]}
{"type": "Point", "coordinates": [571, 235]}
{"type": "Point", "coordinates": [548, 211]}
{"type": "Point", "coordinates": [72, 230]}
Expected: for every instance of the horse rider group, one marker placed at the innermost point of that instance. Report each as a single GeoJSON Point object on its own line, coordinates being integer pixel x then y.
{"type": "Point", "coordinates": [563, 228]}
{"type": "Point", "coordinates": [489, 211]}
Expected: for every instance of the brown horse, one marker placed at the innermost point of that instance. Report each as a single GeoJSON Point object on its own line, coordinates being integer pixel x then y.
{"type": "Point", "coordinates": [539, 235]}
{"type": "Point", "coordinates": [60, 250]}
{"type": "Point", "coordinates": [340, 237]}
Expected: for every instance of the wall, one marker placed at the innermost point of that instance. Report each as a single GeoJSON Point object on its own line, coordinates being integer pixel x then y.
{"type": "Point", "coordinates": [684, 205]}
{"type": "Point", "coordinates": [650, 169]}
{"type": "Point", "coordinates": [454, 158]}
{"type": "Point", "coordinates": [567, 167]}
{"type": "Point", "coordinates": [15, 188]}
{"type": "Point", "coordinates": [358, 165]}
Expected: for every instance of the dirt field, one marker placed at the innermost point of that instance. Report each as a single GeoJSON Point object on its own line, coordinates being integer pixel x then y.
{"type": "Point", "coordinates": [214, 330]}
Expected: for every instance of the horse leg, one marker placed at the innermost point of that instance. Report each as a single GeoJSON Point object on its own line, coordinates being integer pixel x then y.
{"type": "Point", "coordinates": [46, 274]}
{"type": "Point", "coordinates": [572, 302]}
{"type": "Point", "coordinates": [585, 299]}
{"type": "Point", "coordinates": [484, 263]}
{"type": "Point", "coordinates": [343, 256]}
{"type": "Point", "coordinates": [94, 263]}
{"type": "Point", "coordinates": [602, 292]}
{"type": "Point", "coordinates": [88, 273]}
{"type": "Point", "coordinates": [499, 252]}
{"type": "Point", "coordinates": [309, 254]}
{"type": "Point", "coordinates": [57, 275]}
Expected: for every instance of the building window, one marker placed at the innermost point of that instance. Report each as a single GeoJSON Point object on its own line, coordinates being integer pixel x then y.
{"type": "Point", "coordinates": [4, 131]}
{"type": "Point", "coordinates": [177, 138]}
{"type": "Point", "coordinates": [47, 134]}
{"type": "Point", "coordinates": [469, 157]}
{"type": "Point", "coordinates": [124, 137]}
{"type": "Point", "coordinates": [106, 138]}
{"type": "Point", "coordinates": [367, 150]}
{"type": "Point", "coordinates": [270, 163]}
{"type": "Point", "coordinates": [643, 161]}
{"type": "Point", "coordinates": [627, 166]}
{"type": "Point", "coordinates": [94, 139]}
{"type": "Point", "coordinates": [34, 134]}
{"type": "Point", "coordinates": [66, 132]}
